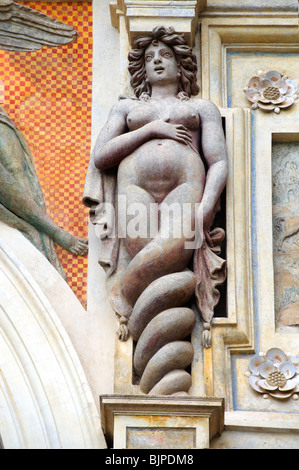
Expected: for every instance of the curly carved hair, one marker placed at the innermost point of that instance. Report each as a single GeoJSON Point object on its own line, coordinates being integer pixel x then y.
{"type": "Point", "coordinates": [187, 62]}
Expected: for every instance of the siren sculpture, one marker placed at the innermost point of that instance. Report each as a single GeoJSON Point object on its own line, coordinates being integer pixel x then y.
{"type": "Point", "coordinates": [150, 155]}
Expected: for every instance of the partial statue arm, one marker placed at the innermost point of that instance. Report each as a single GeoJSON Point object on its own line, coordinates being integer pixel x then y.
{"type": "Point", "coordinates": [214, 151]}
{"type": "Point", "coordinates": [115, 142]}
{"type": "Point", "coordinates": [209, 268]}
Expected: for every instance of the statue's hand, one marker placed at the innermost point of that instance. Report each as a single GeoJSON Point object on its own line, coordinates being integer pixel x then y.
{"type": "Point", "coordinates": [205, 217]}
{"type": "Point", "coordinates": [165, 130]}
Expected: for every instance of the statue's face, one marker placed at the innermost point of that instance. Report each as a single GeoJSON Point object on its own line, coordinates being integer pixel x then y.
{"type": "Point", "coordinates": [160, 64]}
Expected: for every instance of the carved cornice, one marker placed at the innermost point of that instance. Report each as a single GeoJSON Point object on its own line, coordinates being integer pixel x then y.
{"type": "Point", "coordinates": [161, 412]}
{"type": "Point", "coordinates": [142, 15]}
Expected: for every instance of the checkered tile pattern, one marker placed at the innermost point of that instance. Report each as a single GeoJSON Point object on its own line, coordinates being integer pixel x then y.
{"type": "Point", "coordinates": [2, 92]}
{"type": "Point", "coordinates": [48, 95]}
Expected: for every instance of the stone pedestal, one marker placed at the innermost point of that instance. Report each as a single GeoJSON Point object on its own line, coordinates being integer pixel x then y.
{"type": "Point", "coordinates": [151, 422]}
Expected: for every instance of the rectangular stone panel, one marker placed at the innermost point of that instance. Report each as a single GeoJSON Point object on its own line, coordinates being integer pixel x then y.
{"type": "Point", "coordinates": [160, 438]}
{"type": "Point", "coordinates": [285, 197]}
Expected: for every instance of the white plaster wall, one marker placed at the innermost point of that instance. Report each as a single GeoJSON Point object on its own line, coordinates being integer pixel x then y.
{"type": "Point", "coordinates": [46, 401]}
{"type": "Point", "coordinates": [105, 94]}
{"type": "Point", "coordinates": [106, 57]}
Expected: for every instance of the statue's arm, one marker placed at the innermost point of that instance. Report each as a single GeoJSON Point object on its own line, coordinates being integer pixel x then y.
{"type": "Point", "coordinates": [214, 150]}
{"type": "Point", "coordinates": [11, 154]}
{"type": "Point", "coordinates": [115, 142]}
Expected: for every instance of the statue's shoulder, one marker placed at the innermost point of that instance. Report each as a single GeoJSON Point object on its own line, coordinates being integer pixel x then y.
{"type": "Point", "coordinates": [8, 138]}
{"type": "Point", "coordinates": [124, 104]}
{"type": "Point", "coordinates": [126, 98]}
{"type": "Point", "coordinates": [5, 120]}
{"type": "Point", "coordinates": [7, 129]}
{"type": "Point", "coordinates": [207, 108]}
{"type": "Point", "coordinates": [207, 105]}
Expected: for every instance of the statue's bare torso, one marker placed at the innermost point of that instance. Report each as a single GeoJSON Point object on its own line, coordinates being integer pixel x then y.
{"type": "Point", "coordinates": [160, 165]}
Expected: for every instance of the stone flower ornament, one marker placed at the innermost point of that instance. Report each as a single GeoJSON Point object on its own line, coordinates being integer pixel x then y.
{"type": "Point", "coordinates": [274, 374]}
{"type": "Point", "coordinates": [271, 91]}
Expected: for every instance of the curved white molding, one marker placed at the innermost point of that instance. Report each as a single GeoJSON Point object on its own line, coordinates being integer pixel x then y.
{"type": "Point", "coordinates": [45, 399]}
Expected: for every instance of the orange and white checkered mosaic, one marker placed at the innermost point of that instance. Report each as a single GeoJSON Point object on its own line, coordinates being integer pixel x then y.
{"type": "Point", "coordinates": [48, 94]}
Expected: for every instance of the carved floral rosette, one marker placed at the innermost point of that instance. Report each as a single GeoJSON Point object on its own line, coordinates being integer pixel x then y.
{"type": "Point", "coordinates": [274, 374]}
{"type": "Point", "coordinates": [271, 91]}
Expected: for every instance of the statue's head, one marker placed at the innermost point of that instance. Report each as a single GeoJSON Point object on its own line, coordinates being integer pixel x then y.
{"type": "Point", "coordinates": [178, 53]}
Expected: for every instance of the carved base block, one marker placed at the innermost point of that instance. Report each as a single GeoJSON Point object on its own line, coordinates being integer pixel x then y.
{"type": "Point", "coordinates": [158, 422]}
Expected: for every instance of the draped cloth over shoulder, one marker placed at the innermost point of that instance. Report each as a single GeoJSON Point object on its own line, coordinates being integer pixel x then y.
{"type": "Point", "coordinates": [100, 190]}
{"type": "Point", "coordinates": [30, 180]}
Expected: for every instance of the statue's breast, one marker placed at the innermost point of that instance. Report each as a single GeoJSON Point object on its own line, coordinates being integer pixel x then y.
{"type": "Point", "coordinates": [180, 113]}
{"type": "Point", "coordinates": [140, 116]}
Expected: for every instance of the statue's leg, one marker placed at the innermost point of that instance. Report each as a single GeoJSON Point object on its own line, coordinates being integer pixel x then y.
{"type": "Point", "coordinates": [19, 165]}
{"type": "Point", "coordinates": [28, 231]}
{"type": "Point", "coordinates": [168, 252]}
{"type": "Point", "coordinates": [15, 198]}
{"type": "Point", "coordinates": [158, 284]}
{"type": "Point", "coordinates": [139, 220]}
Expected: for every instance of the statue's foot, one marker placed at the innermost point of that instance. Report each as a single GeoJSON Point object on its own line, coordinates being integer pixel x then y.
{"type": "Point", "coordinates": [77, 246]}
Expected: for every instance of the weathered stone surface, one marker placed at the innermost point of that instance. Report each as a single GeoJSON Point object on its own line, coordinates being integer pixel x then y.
{"type": "Point", "coordinates": [289, 315]}
{"type": "Point", "coordinates": [170, 325]}
{"type": "Point", "coordinates": [285, 174]}
{"type": "Point", "coordinates": [174, 355]}
{"type": "Point", "coordinates": [166, 292]}
{"type": "Point", "coordinates": [151, 146]}
{"type": "Point", "coordinates": [176, 381]}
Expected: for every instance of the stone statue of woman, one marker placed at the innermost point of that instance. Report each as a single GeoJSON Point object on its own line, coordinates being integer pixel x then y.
{"type": "Point", "coordinates": [160, 149]}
